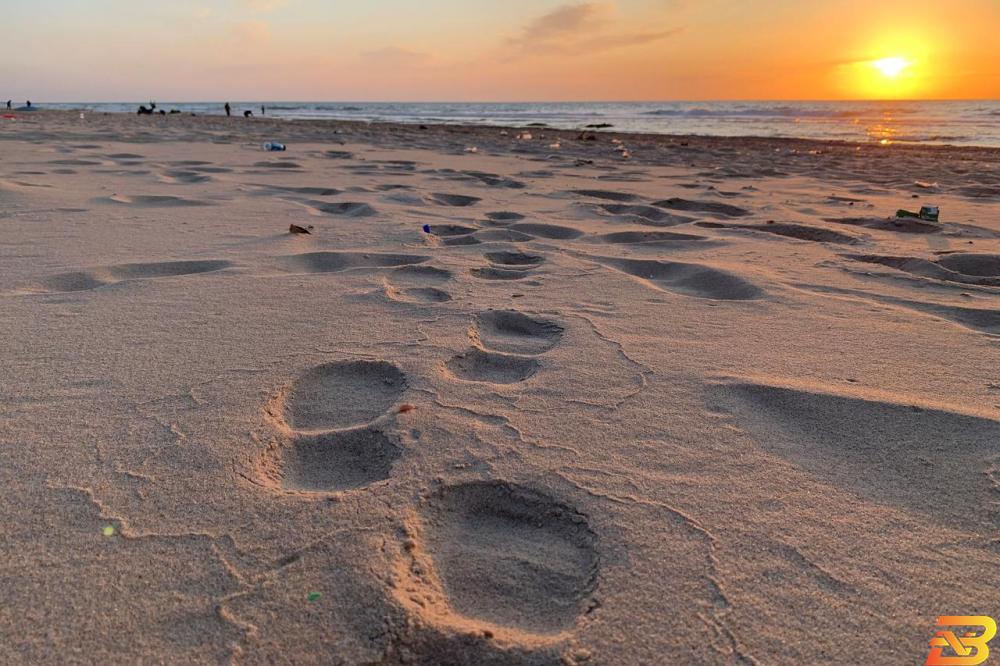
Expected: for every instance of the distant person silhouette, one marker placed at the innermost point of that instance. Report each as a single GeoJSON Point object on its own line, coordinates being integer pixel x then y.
{"type": "Point", "coordinates": [29, 104]}
{"type": "Point", "coordinates": [229, 111]}
{"type": "Point", "coordinates": [248, 113]}
{"type": "Point", "coordinates": [8, 104]}
{"type": "Point", "coordinates": [263, 112]}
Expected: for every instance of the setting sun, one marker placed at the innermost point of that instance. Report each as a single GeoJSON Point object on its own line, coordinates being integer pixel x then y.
{"type": "Point", "coordinates": [891, 67]}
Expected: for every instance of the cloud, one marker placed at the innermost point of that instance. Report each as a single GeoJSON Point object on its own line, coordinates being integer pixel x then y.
{"type": "Point", "coordinates": [584, 27]}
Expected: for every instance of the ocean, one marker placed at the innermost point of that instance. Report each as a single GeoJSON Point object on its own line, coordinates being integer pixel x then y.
{"type": "Point", "coordinates": [974, 123]}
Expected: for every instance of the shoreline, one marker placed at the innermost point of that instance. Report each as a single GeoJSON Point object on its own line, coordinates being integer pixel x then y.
{"type": "Point", "coordinates": [562, 133]}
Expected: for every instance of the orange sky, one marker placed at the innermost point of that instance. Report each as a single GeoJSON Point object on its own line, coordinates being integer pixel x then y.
{"type": "Point", "coordinates": [104, 50]}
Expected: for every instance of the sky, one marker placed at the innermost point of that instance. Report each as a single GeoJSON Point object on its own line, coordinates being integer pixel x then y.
{"type": "Point", "coordinates": [488, 50]}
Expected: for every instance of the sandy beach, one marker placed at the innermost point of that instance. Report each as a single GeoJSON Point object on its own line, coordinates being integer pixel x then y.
{"type": "Point", "coordinates": [511, 401]}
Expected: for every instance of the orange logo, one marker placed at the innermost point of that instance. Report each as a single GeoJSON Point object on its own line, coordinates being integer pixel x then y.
{"type": "Point", "coordinates": [969, 649]}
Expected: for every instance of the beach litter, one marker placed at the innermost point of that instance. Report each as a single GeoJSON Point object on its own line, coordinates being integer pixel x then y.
{"type": "Point", "coordinates": [427, 228]}
{"type": "Point", "coordinates": [314, 596]}
{"type": "Point", "coordinates": [296, 229]}
{"type": "Point", "coordinates": [274, 146]}
{"type": "Point", "coordinates": [108, 530]}
{"type": "Point", "coordinates": [524, 136]}
{"type": "Point", "coordinates": [927, 213]}
{"type": "Point", "coordinates": [472, 149]}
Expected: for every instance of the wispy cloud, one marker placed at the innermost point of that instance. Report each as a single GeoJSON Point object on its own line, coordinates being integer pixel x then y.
{"type": "Point", "coordinates": [584, 27]}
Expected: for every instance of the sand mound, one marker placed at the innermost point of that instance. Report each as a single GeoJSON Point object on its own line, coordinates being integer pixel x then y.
{"type": "Point", "coordinates": [902, 225]}
{"type": "Point", "coordinates": [921, 459]}
{"type": "Point", "coordinates": [936, 270]}
{"type": "Point", "coordinates": [981, 265]}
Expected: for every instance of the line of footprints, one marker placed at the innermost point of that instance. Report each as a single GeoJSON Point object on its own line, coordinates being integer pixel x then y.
{"type": "Point", "coordinates": [510, 558]}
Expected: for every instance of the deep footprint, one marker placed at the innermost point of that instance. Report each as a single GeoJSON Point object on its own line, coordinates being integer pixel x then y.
{"type": "Point", "coordinates": [336, 461]}
{"type": "Point", "coordinates": [342, 394]}
{"type": "Point", "coordinates": [477, 365]}
{"type": "Point", "coordinates": [514, 332]}
{"type": "Point", "coordinates": [511, 556]}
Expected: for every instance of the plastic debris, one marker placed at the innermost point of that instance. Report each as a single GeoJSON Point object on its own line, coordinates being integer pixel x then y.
{"type": "Point", "coordinates": [108, 530]}
{"type": "Point", "coordinates": [524, 136]}
{"type": "Point", "coordinates": [555, 146]}
{"type": "Point", "coordinates": [927, 213]}
{"type": "Point", "coordinates": [296, 229]}
{"type": "Point", "coordinates": [472, 149]}
{"type": "Point", "coordinates": [427, 228]}
{"type": "Point", "coordinates": [313, 596]}
{"type": "Point", "coordinates": [273, 146]}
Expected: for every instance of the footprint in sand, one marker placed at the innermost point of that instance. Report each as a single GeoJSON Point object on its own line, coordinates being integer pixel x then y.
{"type": "Point", "coordinates": [551, 231]}
{"type": "Point", "coordinates": [609, 195]}
{"type": "Point", "coordinates": [918, 458]}
{"type": "Point", "coordinates": [492, 273]}
{"type": "Point", "coordinates": [426, 280]}
{"type": "Point", "coordinates": [340, 208]}
{"type": "Point", "coordinates": [152, 201]}
{"type": "Point", "coordinates": [460, 200]}
{"type": "Point", "coordinates": [514, 260]}
{"type": "Point", "coordinates": [503, 236]}
{"type": "Point", "coordinates": [514, 332]}
{"type": "Point", "coordinates": [655, 239]}
{"type": "Point", "coordinates": [709, 207]}
{"type": "Point", "coordinates": [335, 262]}
{"type": "Point", "coordinates": [342, 394]}
{"type": "Point", "coordinates": [504, 217]}
{"type": "Point", "coordinates": [107, 275]}
{"type": "Point", "coordinates": [789, 230]}
{"type": "Point", "coordinates": [688, 279]}
{"type": "Point", "coordinates": [332, 443]}
{"type": "Point", "coordinates": [478, 365]}
{"type": "Point", "coordinates": [500, 554]}
{"type": "Point", "coordinates": [645, 215]}
{"type": "Point", "coordinates": [337, 461]}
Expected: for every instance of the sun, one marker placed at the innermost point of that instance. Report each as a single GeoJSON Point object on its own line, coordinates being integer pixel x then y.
{"type": "Point", "coordinates": [891, 68]}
